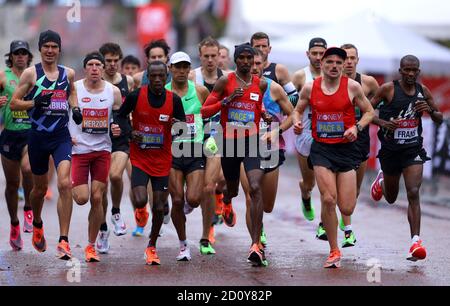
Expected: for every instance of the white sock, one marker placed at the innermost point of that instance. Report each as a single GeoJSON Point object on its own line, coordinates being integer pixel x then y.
{"type": "Point", "coordinates": [415, 239]}
{"type": "Point", "coordinates": [183, 243]}
{"type": "Point", "coordinates": [348, 228]}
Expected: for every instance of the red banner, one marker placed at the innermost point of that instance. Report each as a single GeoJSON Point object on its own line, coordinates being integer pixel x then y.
{"type": "Point", "coordinates": [153, 22]}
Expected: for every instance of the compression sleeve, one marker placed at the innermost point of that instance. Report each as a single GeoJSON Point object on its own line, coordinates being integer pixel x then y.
{"type": "Point", "coordinates": [212, 105]}
{"type": "Point", "coordinates": [292, 93]}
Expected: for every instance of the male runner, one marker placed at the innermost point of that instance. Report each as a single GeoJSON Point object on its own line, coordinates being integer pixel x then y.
{"type": "Point", "coordinates": [112, 54]}
{"type": "Point", "coordinates": [224, 59]}
{"type": "Point", "coordinates": [370, 86]}
{"type": "Point", "coordinates": [46, 90]}
{"type": "Point", "coordinates": [207, 75]}
{"type": "Point", "coordinates": [190, 166]}
{"type": "Point", "coordinates": [13, 142]}
{"type": "Point", "coordinates": [91, 151]}
{"type": "Point", "coordinates": [316, 49]}
{"type": "Point", "coordinates": [130, 65]}
{"type": "Point", "coordinates": [277, 104]}
{"type": "Point", "coordinates": [153, 109]}
{"type": "Point", "coordinates": [239, 98]}
{"type": "Point", "coordinates": [156, 50]}
{"type": "Point", "coordinates": [400, 134]}
{"type": "Point", "coordinates": [332, 98]}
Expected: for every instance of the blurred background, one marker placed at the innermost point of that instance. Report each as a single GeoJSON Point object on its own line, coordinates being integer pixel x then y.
{"type": "Point", "coordinates": [383, 30]}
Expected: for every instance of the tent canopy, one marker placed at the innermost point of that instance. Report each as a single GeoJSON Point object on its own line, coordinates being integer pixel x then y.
{"type": "Point", "coordinates": [381, 45]}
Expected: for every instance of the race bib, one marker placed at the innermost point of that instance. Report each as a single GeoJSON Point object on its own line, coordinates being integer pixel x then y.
{"type": "Point", "coordinates": [408, 130]}
{"type": "Point", "coordinates": [192, 128]}
{"type": "Point", "coordinates": [330, 125]}
{"type": "Point", "coordinates": [240, 117]}
{"type": "Point", "coordinates": [20, 117]}
{"type": "Point", "coordinates": [152, 136]}
{"type": "Point", "coordinates": [95, 121]}
{"type": "Point", "coordinates": [58, 105]}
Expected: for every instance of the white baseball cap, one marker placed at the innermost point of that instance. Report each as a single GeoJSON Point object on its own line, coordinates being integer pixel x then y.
{"type": "Point", "coordinates": [179, 57]}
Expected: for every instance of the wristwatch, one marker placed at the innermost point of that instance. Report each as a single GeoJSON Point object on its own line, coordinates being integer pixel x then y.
{"type": "Point", "coordinates": [359, 128]}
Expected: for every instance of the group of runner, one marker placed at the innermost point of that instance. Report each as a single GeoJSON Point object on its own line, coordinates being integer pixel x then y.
{"type": "Point", "coordinates": [196, 134]}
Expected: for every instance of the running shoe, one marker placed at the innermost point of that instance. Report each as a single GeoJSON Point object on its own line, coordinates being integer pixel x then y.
{"type": "Point", "coordinates": [21, 194]}
{"type": "Point", "coordinates": [15, 241]}
{"type": "Point", "coordinates": [257, 257]}
{"type": "Point", "coordinates": [38, 240]}
{"type": "Point", "coordinates": [187, 209]}
{"type": "Point", "coordinates": [120, 228]}
{"type": "Point", "coordinates": [217, 219]}
{"type": "Point", "coordinates": [102, 242]}
{"type": "Point", "coordinates": [90, 254]}
{"type": "Point", "coordinates": [211, 236]}
{"type": "Point", "coordinates": [166, 213]}
{"type": "Point", "coordinates": [309, 214]}
{"type": "Point", "coordinates": [49, 194]}
{"type": "Point", "coordinates": [141, 216]}
{"type": "Point", "coordinates": [206, 248]}
{"type": "Point", "coordinates": [151, 258]}
{"type": "Point", "coordinates": [63, 250]}
{"type": "Point", "coordinates": [138, 232]}
{"type": "Point", "coordinates": [28, 221]}
{"type": "Point", "coordinates": [185, 254]}
{"type": "Point", "coordinates": [376, 189]}
{"type": "Point", "coordinates": [333, 260]}
{"type": "Point", "coordinates": [349, 240]}
{"type": "Point", "coordinates": [321, 233]}
{"type": "Point", "coordinates": [263, 238]}
{"type": "Point", "coordinates": [417, 252]}
{"type": "Point", "coordinates": [229, 215]}
{"type": "Point", "coordinates": [219, 203]}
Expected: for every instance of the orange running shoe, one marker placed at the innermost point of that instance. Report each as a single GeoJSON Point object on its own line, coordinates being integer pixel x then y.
{"type": "Point", "coordinates": [228, 214]}
{"type": "Point", "coordinates": [219, 203]}
{"type": "Point", "coordinates": [91, 254]}
{"type": "Point", "coordinates": [417, 252]}
{"type": "Point", "coordinates": [333, 260]}
{"type": "Point", "coordinates": [49, 194]}
{"type": "Point", "coordinates": [63, 250]}
{"type": "Point", "coordinates": [151, 258]}
{"type": "Point", "coordinates": [38, 240]}
{"type": "Point", "coordinates": [211, 237]}
{"type": "Point", "coordinates": [257, 257]}
{"type": "Point", "coordinates": [141, 216]}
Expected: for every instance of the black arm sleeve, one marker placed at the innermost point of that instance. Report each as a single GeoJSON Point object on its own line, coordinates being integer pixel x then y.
{"type": "Point", "coordinates": [120, 117]}
{"type": "Point", "coordinates": [178, 110]}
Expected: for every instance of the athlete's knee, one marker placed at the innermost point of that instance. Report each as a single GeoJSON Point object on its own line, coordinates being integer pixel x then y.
{"type": "Point", "coordinates": [347, 211]}
{"type": "Point", "coordinates": [255, 189]}
{"type": "Point", "coordinates": [64, 185]}
{"type": "Point", "coordinates": [140, 199]}
{"type": "Point", "coordinates": [12, 185]}
{"type": "Point", "coordinates": [413, 193]}
{"type": "Point", "coordinates": [80, 199]}
{"type": "Point", "coordinates": [177, 203]}
{"type": "Point", "coordinates": [115, 178]}
{"type": "Point", "coordinates": [194, 200]}
{"type": "Point", "coordinates": [158, 208]}
{"type": "Point", "coordinates": [329, 200]}
{"type": "Point", "coordinates": [97, 198]}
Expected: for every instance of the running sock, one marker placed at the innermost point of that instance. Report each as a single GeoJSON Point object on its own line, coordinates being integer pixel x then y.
{"type": "Point", "coordinates": [415, 239]}
{"type": "Point", "coordinates": [104, 227]}
{"type": "Point", "coordinates": [15, 223]}
{"type": "Point", "coordinates": [348, 228]}
{"type": "Point", "coordinates": [65, 238]}
{"type": "Point", "coordinates": [204, 242]}
{"type": "Point", "coordinates": [183, 243]}
{"type": "Point", "coordinates": [92, 244]}
{"type": "Point", "coordinates": [25, 208]}
{"type": "Point", "coordinates": [38, 225]}
{"type": "Point", "coordinates": [115, 211]}
{"type": "Point", "coordinates": [307, 203]}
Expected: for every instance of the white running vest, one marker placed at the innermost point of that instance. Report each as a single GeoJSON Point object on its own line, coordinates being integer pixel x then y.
{"type": "Point", "coordinates": [306, 120]}
{"type": "Point", "coordinates": [93, 134]}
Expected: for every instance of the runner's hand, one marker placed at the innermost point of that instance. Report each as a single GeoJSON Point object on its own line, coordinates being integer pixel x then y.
{"type": "Point", "coordinates": [268, 118]}
{"type": "Point", "coordinates": [391, 125]}
{"type": "Point", "coordinates": [77, 116]}
{"type": "Point", "coordinates": [237, 93]}
{"type": "Point", "coordinates": [351, 134]}
{"type": "Point", "coordinates": [43, 100]}
{"type": "Point", "coordinates": [298, 128]}
{"type": "Point", "coordinates": [3, 100]}
{"type": "Point", "coordinates": [422, 106]}
{"type": "Point", "coordinates": [137, 137]}
{"type": "Point", "coordinates": [115, 130]}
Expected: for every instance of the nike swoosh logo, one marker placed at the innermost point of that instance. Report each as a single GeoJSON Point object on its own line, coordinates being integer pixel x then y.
{"type": "Point", "coordinates": [59, 84]}
{"type": "Point", "coordinates": [103, 100]}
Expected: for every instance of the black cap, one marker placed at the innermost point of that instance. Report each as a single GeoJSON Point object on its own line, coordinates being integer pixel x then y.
{"type": "Point", "coordinates": [17, 45]}
{"type": "Point", "coordinates": [246, 47]}
{"type": "Point", "coordinates": [335, 51]}
{"type": "Point", "coordinates": [49, 36]}
{"type": "Point", "coordinates": [317, 42]}
{"type": "Point", "coordinates": [94, 55]}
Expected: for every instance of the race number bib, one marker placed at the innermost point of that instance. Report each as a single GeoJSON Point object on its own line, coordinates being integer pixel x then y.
{"type": "Point", "coordinates": [152, 136]}
{"type": "Point", "coordinates": [330, 125]}
{"type": "Point", "coordinates": [20, 117]}
{"type": "Point", "coordinates": [95, 121]}
{"type": "Point", "coordinates": [408, 130]}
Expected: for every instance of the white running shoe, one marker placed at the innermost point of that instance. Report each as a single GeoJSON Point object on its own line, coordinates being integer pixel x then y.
{"type": "Point", "coordinates": [185, 254]}
{"type": "Point", "coordinates": [119, 225]}
{"type": "Point", "coordinates": [102, 242]}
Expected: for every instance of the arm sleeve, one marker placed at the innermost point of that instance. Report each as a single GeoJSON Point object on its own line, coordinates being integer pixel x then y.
{"type": "Point", "coordinates": [120, 117]}
{"type": "Point", "coordinates": [178, 110]}
{"type": "Point", "coordinates": [292, 93]}
{"type": "Point", "coordinates": [212, 105]}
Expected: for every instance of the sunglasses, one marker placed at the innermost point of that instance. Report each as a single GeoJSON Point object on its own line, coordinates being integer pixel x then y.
{"type": "Point", "coordinates": [20, 52]}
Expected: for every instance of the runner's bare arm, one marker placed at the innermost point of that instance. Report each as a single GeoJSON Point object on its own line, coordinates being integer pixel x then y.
{"type": "Point", "coordinates": [282, 74]}
{"type": "Point", "coordinates": [191, 76]}
{"type": "Point", "coordinates": [137, 79]}
{"type": "Point", "coordinates": [372, 85]}
{"type": "Point", "coordinates": [3, 99]}
{"type": "Point", "coordinates": [363, 103]}
{"type": "Point", "coordinates": [384, 94]}
{"type": "Point", "coordinates": [202, 93]}
{"type": "Point", "coordinates": [429, 106]}
{"type": "Point", "coordinates": [26, 83]}
{"type": "Point", "coordinates": [117, 99]}
{"type": "Point", "coordinates": [130, 82]}
{"type": "Point", "coordinates": [297, 115]}
{"type": "Point", "coordinates": [298, 79]}
{"type": "Point", "coordinates": [73, 100]}
{"type": "Point", "coordinates": [277, 93]}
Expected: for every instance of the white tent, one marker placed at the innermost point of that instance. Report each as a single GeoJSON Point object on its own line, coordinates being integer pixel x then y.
{"type": "Point", "coordinates": [381, 45]}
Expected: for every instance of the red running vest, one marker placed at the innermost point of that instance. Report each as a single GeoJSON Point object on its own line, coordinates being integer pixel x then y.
{"type": "Point", "coordinates": [332, 114]}
{"type": "Point", "coordinates": [242, 110]}
{"type": "Point", "coordinates": [154, 154]}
